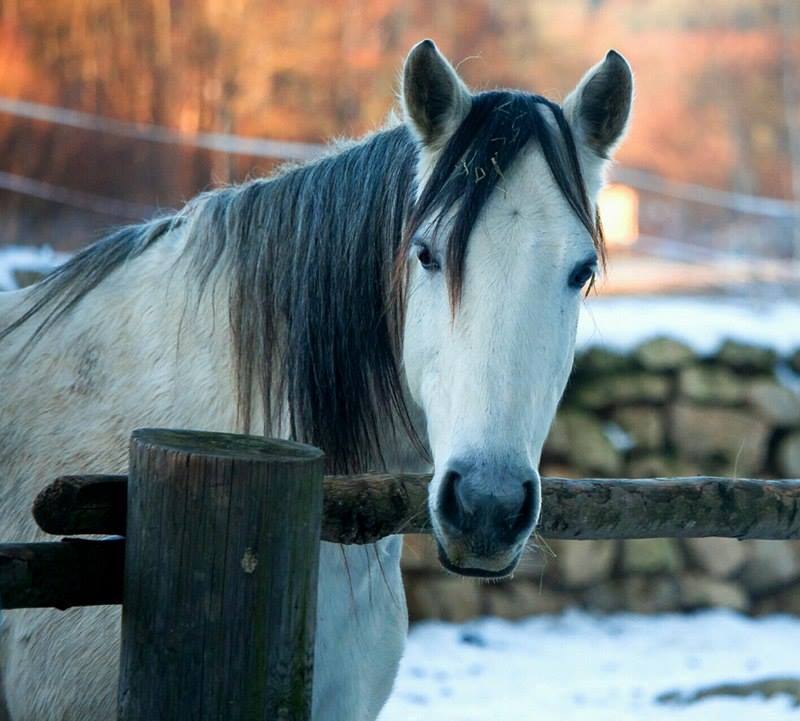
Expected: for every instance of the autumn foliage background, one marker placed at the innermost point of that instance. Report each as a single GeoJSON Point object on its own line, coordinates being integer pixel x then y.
{"type": "Point", "coordinates": [710, 106]}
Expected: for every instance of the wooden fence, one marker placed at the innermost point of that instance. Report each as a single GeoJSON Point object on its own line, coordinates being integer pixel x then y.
{"type": "Point", "coordinates": [217, 578]}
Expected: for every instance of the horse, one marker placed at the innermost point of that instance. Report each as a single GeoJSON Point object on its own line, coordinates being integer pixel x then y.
{"type": "Point", "coordinates": [406, 301]}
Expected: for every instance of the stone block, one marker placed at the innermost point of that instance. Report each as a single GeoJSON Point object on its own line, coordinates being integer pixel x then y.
{"type": "Point", "coordinates": [651, 556]}
{"type": "Point", "coordinates": [448, 598]}
{"type": "Point", "coordinates": [712, 384]}
{"type": "Point", "coordinates": [644, 424]}
{"type": "Point", "coordinates": [597, 360]}
{"type": "Point", "coordinates": [605, 597]}
{"type": "Point", "coordinates": [784, 601]}
{"type": "Point", "coordinates": [788, 455]}
{"type": "Point", "coordinates": [419, 553]}
{"type": "Point", "coordinates": [661, 354]}
{"type": "Point", "coordinates": [774, 402]}
{"type": "Point", "coordinates": [659, 465]}
{"type": "Point", "coordinates": [557, 443]}
{"type": "Point", "coordinates": [519, 598]}
{"type": "Point", "coordinates": [639, 594]}
{"type": "Point", "coordinates": [770, 565]}
{"type": "Point", "coordinates": [537, 560]}
{"type": "Point", "coordinates": [554, 469]}
{"type": "Point", "coordinates": [747, 358]}
{"type": "Point", "coordinates": [737, 436]}
{"type": "Point", "coordinates": [651, 595]}
{"type": "Point", "coordinates": [718, 557]}
{"type": "Point", "coordinates": [699, 591]}
{"type": "Point", "coordinates": [580, 438]}
{"type": "Point", "coordinates": [622, 389]}
{"type": "Point", "coordinates": [579, 564]}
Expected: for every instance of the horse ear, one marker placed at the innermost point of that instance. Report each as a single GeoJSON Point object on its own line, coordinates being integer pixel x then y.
{"type": "Point", "coordinates": [435, 99]}
{"type": "Point", "coordinates": [600, 106]}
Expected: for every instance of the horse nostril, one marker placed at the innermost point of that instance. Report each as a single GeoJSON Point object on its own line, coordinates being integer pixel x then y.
{"type": "Point", "coordinates": [504, 514]}
{"type": "Point", "coordinates": [525, 516]}
{"type": "Point", "coordinates": [449, 503]}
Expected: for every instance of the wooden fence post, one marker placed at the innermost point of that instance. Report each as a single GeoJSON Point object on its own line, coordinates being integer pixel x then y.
{"type": "Point", "coordinates": [221, 565]}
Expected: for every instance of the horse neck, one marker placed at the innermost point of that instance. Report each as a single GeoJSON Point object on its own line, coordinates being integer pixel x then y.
{"type": "Point", "coordinates": [139, 347]}
{"type": "Point", "coordinates": [186, 335]}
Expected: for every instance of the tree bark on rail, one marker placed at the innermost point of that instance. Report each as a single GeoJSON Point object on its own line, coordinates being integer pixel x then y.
{"type": "Point", "coordinates": [365, 508]}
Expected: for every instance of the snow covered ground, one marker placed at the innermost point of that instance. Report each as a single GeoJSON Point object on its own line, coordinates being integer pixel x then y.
{"type": "Point", "coordinates": [576, 667]}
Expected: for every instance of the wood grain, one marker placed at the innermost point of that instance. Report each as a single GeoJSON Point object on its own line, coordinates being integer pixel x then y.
{"type": "Point", "coordinates": [220, 578]}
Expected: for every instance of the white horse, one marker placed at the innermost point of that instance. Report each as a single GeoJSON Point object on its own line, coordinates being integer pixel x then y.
{"type": "Point", "coordinates": [423, 282]}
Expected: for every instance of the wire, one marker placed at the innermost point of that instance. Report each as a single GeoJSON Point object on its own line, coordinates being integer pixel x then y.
{"type": "Point", "coordinates": [222, 142]}
{"type": "Point", "coordinates": [75, 198]}
{"type": "Point", "coordinates": [691, 192]}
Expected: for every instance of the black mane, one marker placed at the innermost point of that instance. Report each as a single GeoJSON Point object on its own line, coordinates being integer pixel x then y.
{"type": "Point", "coordinates": [310, 259]}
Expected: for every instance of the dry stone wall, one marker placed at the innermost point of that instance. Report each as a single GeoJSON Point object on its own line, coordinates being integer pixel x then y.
{"type": "Point", "coordinates": [659, 410]}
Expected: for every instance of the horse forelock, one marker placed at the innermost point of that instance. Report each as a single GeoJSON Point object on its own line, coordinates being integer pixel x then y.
{"type": "Point", "coordinates": [473, 163]}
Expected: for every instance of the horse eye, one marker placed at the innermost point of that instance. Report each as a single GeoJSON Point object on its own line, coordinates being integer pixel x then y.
{"type": "Point", "coordinates": [425, 258]}
{"type": "Point", "coordinates": [581, 274]}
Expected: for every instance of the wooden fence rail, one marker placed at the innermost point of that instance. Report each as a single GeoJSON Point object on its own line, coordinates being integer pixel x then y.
{"type": "Point", "coordinates": [365, 508]}
{"type": "Point", "coordinates": [72, 572]}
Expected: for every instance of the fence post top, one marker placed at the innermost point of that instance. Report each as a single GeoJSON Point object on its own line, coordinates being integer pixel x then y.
{"type": "Point", "coordinates": [227, 445]}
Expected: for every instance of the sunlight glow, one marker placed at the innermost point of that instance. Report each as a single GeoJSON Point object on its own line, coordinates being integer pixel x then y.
{"type": "Point", "coordinates": [619, 210]}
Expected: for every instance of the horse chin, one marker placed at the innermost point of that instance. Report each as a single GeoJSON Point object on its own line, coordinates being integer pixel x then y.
{"type": "Point", "coordinates": [489, 569]}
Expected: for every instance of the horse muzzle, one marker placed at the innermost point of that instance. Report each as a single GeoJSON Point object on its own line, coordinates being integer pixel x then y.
{"type": "Point", "coordinates": [484, 513]}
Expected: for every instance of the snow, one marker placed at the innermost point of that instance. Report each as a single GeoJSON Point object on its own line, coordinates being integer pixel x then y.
{"type": "Point", "coordinates": [578, 667]}
{"type": "Point", "coordinates": [26, 257]}
{"type": "Point", "coordinates": [620, 323]}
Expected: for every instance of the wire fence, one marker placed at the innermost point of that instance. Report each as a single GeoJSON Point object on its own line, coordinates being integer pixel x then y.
{"type": "Point", "coordinates": [220, 142]}
{"type": "Point", "coordinates": [700, 224]}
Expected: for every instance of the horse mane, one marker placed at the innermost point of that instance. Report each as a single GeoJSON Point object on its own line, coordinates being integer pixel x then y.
{"type": "Point", "coordinates": [314, 259]}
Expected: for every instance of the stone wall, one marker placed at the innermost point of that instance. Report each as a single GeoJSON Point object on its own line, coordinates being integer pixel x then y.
{"type": "Point", "coordinates": [659, 410]}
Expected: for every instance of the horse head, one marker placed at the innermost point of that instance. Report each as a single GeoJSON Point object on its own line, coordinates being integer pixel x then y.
{"type": "Point", "coordinates": [502, 240]}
